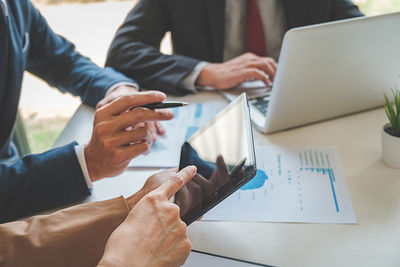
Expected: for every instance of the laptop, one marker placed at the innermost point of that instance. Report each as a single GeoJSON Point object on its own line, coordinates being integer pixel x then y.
{"type": "Point", "coordinates": [327, 71]}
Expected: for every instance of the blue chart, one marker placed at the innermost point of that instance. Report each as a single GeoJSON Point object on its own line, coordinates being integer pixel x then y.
{"type": "Point", "coordinates": [292, 185]}
{"type": "Point", "coordinates": [158, 146]}
{"type": "Point", "coordinates": [195, 121]}
{"type": "Point", "coordinates": [176, 113]}
{"type": "Point", "coordinates": [199, 111]}
{"type": "Point", "coordinates": [257, 182]}
{"type": "Point", "coordinates": [315, 161]}
{"type": "Point", "coordinates": [190, 131]}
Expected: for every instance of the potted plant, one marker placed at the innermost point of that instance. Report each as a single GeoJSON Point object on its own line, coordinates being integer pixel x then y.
{"type": "Point", "coordinates": [391, 132]}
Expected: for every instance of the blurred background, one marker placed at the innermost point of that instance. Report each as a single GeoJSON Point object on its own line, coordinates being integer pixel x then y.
{"type": "Point", "coordinates": [91, 25]}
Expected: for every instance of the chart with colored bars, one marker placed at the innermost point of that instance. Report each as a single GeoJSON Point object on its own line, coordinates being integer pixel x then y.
{"type": "Point", "coordinates": [292, 184]}
{"type": "Point", "coordinates": [165, 152]}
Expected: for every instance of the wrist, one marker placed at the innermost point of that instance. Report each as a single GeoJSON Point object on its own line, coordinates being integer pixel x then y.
{"type": "Point", "coordinates": [135, 198]}
{"type": "Point", "coordinates": [109, 262]}
{"type": "Point", "coordinates": [206, 75]}
{"type": "Point", "coordinates": [92, 164]}
{"type": "Point", "coordinates": [125, 86]}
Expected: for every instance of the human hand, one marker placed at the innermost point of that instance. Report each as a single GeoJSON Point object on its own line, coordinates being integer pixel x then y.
{"type": "Point", "coordinates": [152, 183]}
{"type": "Point", "coordinates": [112, 146]}
{"type": "Point", "coordinates": [243, 68]}
{"type": "Point", "coordinates": [154, 127]}
{"type": "Point", "coordinates": [201, 188]}
{"type": "Point", "coordinates": [117, 92]}
{"type": "Point", "coordinates": [153, 233]}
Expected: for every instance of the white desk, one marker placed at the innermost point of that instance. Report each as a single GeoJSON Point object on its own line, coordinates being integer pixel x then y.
{"type": "Point", "coordinates": [374, 189]}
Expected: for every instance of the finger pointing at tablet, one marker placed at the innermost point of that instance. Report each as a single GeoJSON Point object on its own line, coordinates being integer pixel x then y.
{"type": "Point", "coordinates": [153, 233]}
{"type": "Point", "coordinates": [177, 181]}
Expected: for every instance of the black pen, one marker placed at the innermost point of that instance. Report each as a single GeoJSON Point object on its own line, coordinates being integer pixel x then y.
{"type": "Point", "coordinates": [161, 105]}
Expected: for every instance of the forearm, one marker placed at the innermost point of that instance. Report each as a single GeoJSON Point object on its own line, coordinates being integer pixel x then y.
{"type": "Point", "coordinates": [55, 60]}
{"type": "Point", "coordinates": [155, 70]}
{"type": "Point", "coordinates": [74, 236]}
{"type": "Point", "coordinates": [76, 74]}
{"type": "Point", "coordinates": [39, 182]}
{"type": "Point", "coordinates": [189, 82]}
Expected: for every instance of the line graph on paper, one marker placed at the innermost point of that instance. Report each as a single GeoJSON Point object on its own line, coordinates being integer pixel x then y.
{"type": "Point", "coordinates": [296, 184]}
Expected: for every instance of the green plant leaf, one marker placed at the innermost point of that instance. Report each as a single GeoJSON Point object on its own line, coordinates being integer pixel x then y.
{"type": "Point", "coordinates": [396, 94]}
{"type": "Point", "coordinates": [397, 128]}
{"type": "Point", "coordinates": [390, 111]}
{"type": "Point", "coordinates": [393, 113]}
{"type": "Point", "coordinates": [389, 117]}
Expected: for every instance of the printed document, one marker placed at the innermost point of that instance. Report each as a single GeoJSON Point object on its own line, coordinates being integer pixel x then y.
{"type": "Point", "coordinates": [292, 184]}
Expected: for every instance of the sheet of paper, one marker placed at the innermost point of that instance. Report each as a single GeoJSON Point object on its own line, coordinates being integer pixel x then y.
{"type": "Point", "coordinates": [165, 152]}
{"type": "Point", "coordinates": [199, 259]}
{"type": "Point", "coordinates": [294, 184]}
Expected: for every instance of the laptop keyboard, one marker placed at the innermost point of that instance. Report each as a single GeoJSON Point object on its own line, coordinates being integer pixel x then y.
{"type": "Point", "coordinates": [261, 103]}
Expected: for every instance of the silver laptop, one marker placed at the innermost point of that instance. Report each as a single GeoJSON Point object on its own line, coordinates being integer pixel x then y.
{"type": "Point", "coordinates": [329, 70]}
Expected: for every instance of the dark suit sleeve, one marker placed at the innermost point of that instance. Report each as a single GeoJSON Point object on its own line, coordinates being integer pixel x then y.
{"type": "Point", "coordinates": [135, 49]}
{"type": "Point", "coordinates": [39, 182]}
{"type": "Point", "coordinates": [344, 9]}
{"type": "Point", "coordinates": [54, 59]}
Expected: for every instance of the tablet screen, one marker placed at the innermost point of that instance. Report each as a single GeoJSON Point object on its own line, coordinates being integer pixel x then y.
{"type": "Point", "coordinates": [223, 152]}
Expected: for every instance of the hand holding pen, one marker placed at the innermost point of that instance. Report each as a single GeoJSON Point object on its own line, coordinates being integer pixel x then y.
{"type": "Point", "coordinates": [162, 105]}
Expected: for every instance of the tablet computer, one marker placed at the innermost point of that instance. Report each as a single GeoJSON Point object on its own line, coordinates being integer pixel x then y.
{"type": "Point", "coordinates": [223, 152]}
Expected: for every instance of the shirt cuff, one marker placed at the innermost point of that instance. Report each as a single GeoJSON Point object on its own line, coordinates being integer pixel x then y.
{"type": "Point", "coordinates": [80, 153]}
{"type": "Point", "coordinates": [115, 85]}
{"type": "Point", "coordinates": [189, 83]}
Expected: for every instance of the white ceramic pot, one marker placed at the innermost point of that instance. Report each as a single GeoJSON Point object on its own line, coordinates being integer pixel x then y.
{"type": "Point", "coordinates": [390, 149]}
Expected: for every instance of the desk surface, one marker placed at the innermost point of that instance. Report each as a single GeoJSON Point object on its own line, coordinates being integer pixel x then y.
{"type": "Point", "coordinates": [374, 189]}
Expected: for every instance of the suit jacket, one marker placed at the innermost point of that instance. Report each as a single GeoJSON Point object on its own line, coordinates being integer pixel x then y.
{"type": "Point", "coordinates": [197, 32]}
{"type": "Point", "coordinates": [38, 182]}
{"type": "Point", "coordinates": [71, 237]}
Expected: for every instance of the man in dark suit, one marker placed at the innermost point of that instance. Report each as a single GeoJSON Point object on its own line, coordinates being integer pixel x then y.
{"type": "Point", "coordinates": [62, 175]}
{"type": "Point", "coordinates": [206, 33]}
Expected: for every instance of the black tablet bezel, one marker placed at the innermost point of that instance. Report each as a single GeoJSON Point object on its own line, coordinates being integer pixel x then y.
{"type": "Point", "coordinates": [195, 213]}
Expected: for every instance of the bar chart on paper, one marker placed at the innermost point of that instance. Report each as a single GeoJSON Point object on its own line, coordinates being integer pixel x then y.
{"type": "Point", "coordinates": [187, 120]}
{"type": "Point", "coordinates": [296, 184]}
